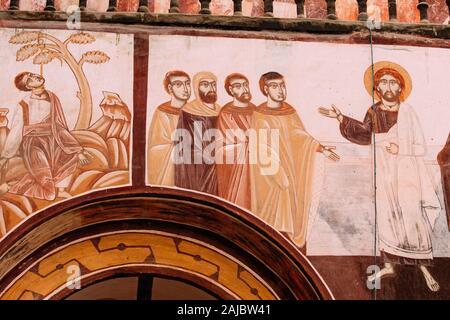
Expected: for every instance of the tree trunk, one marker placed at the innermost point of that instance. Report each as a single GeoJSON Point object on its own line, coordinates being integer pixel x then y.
{"type": "Point", "coordinates": [84, 93]}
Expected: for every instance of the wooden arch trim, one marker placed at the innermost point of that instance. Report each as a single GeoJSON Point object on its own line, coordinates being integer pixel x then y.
{"type": "Point", "coordinates": [205, 218]}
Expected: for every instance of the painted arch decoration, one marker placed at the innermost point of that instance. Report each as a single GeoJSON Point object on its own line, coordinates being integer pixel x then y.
{"type": "Point", "coordinates": [232, 259]}
{"type": "Point", "coordinates": [48, 277]}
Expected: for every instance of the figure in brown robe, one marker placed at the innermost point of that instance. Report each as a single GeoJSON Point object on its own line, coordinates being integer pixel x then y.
{"type": "Point", "coordinates": [233, 171]}
{"type": "Point", "coordinates": [444, 162]}
{"type": "Point", "coordinates": [39, 133]}
{"type": "Point", "coordinates": [197, 125]}
{"type": "Point", "coordinates": [160, 166]}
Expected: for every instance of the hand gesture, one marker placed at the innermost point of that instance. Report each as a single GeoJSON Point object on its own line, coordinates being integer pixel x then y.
{"type": "Point", "coordinates": [83, 158]}
{"type": "Point", "coordinates": [330, 154]}
{"type": "Point", "coordinates": [392, 148]}
{"type": "Point", "coordinates": [334, 112]}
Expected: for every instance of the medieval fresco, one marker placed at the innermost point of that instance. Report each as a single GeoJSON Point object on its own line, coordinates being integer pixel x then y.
{"type": "Point", "coordinates": [344, 157]}
{"type": "Point", "coordinates": [65, 117]}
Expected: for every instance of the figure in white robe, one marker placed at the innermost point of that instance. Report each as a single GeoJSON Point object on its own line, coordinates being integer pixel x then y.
{"type": "Point", "coordinates": [407, 201]}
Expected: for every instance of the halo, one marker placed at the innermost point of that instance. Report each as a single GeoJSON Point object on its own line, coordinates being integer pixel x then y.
{"type": "Point", "coordinates": [387, 65]}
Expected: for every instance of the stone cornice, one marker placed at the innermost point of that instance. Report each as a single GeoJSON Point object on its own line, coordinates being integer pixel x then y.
{"type": "Point", "coordinates": [242, 23]}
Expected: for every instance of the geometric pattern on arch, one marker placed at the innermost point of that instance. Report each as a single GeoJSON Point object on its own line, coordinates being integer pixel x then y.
{"type": "Point", "coordinates": [48, 276]}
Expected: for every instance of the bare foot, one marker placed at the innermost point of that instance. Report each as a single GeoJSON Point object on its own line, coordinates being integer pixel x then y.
{"type": "Point", "coordinates": [387, 270]}
{"type": "Point", "coordinates": [431, 282]}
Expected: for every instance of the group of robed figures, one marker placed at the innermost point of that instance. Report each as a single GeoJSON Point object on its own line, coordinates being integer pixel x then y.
{"type": "Point", "coordinates": [407, 201]}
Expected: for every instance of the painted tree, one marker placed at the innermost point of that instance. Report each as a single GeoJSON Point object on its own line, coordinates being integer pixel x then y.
{"type": "Point", "coordinates": [45, 48]}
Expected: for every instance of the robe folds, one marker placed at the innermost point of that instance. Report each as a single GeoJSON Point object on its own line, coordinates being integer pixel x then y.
{"type": "Point", "coordinates": [160, 166]}
{"type": "Point", "coordinates": [49, 151]}
{"type": "Point", "coordinates": [282, 198]}
{"type": "Point", "coordinates": [233, 172]}
{"type": "Point", "coordinates": [198, 170]}
{"type": "Point", "coordinates": [444, 162]}
{"type": "Point", "coordinates": [407, 202]}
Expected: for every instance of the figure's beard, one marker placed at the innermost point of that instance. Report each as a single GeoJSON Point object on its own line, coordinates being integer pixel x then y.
{"type": "Point", "coordinates": [244, 98]}
{"type": "Point", "coordinates": [209, 97]}
{"type": "Point", "coordinates": [391, 96]}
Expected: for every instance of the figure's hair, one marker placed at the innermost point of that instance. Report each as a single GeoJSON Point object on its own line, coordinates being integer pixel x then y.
{"type": "Point", "coordinates": [20, 84]}
{"type": "Point", "coordinates": [267, 77]}
{"type": "Point", "coordinates": [175, 73]}
{"type": "Point", "coordinates": [230, 78]}
{"type": "Point", "coordinates": [382, 72]}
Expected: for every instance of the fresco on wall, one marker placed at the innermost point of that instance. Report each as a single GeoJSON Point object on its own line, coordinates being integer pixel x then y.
{"type": "Point", "coordinates": [65, 127]}
{"type": "Point", "coordinates": [258, 132]}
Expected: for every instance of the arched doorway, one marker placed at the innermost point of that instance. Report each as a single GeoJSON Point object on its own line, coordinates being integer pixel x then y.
{"type": "Point", "coordinates": [143, 287]}
{"type": "Point", "coordinates": [162, 232]}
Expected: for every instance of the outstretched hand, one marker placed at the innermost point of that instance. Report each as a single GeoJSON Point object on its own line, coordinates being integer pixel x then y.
{"type": "Point", "coordinates": [330, 154]}
{"type": "Point", "coordinates": [334, 112]}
